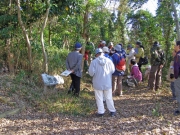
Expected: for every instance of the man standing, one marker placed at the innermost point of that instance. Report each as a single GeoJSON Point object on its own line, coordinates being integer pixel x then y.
{"type": "Point", "coordinates": [73, 63]}
{"type": "Point", "coordinates": [130, 56]}
{"type": "Point", "coordinates": [139, 53]}
{"type": "Point", "coordinates": [101, 69]}
{"type": "Point", "coordinates": [157, 62]}
{"type": "Point", "coordinates": [177, 75]}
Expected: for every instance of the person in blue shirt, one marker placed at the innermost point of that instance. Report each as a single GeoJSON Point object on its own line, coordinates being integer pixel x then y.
{"type": "Point", "coordinates": [117, 75]}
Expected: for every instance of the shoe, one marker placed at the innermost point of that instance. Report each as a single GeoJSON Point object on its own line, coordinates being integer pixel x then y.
{"type": "Point", "coordinates": [69, 91]}
{"type": "Point", "coordinates": [112, 114]}
{"type": "Point", "coordinates": [177, 112]}
{"type": "Point", "coordinates": [76, 94]}
{"type": "Point", "coordinates": [100, 115]}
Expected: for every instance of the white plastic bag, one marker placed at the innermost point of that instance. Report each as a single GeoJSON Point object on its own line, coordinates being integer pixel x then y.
{"type": "Point", "coordinates": [59, 79]}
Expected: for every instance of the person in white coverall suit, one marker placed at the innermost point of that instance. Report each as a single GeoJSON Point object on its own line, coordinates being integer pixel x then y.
{"type": "Point", "coordinates": [101, 69]}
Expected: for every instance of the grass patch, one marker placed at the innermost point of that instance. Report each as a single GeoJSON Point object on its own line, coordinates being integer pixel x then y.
{"type": "Point", "coordinates": [58, 102]}
{"type": "Point", "coordinates": [68, 104]}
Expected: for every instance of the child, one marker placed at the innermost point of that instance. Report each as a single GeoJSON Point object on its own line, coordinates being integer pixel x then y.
{"type": "Point", "coordinates": [136, 75]}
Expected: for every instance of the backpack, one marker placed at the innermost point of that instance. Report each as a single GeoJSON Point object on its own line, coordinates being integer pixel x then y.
{"type": "Point", "coordinates": [143, 61]}
{"type": "Point", "coordinates": [121, 66]}
{"type": "Point", "coordinates": [160, 56]}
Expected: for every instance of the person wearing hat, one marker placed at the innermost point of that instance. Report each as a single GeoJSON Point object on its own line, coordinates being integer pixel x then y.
{"type": "Point", "coordinates": [118, 74]}
{"type": "Point", "coordinates": [101, 69]}
{"type": "Point", "coordinates": [110, 45]}
{"type": "Point", "coordinates": [106, 52]}
{"type": "Point", "coordinates": [102, 44]}
{"type": "Point", "coordinates": [73, 63]}
{"type": "Point", "coordinates": [157, 62]}
{"type": "Point", "coordinates": [139, 53]}
{"type": "Point", "coordinates": [130, 55]}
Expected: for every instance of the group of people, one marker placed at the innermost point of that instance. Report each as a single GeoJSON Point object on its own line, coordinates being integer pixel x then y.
{"type": "Point", "coordinates": [108, 68]}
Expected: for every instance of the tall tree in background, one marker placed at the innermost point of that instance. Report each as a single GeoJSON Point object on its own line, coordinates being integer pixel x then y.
{"type": "Point", "coordinates": [25, 34]}
{"type": "Point", "coordinates": [167, 25]}
{"type": "Point", "coordinates": [45, 62]}
{"type": "Point", "coordinates": [176, 19]}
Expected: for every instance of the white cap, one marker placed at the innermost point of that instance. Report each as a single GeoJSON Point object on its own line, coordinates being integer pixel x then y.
{"type": "Point", "coordinates": [105, 49]}
{"type": "Point", "coordinates": [103, 42]}
{"type": "Point", "coordinates": [98, 50]}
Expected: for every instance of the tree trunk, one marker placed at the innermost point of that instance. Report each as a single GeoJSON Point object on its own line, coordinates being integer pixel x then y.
{"type": "Point", "coordinates": [45, 63]}
{"type": "Point", "coordinates": [85, 31]}
{"type": "Point", "coordinates": [25, 36]}
{"type": "Point", "coordinates": [10, 56]}
{"type": "Point", "coordinates": [176, 20]}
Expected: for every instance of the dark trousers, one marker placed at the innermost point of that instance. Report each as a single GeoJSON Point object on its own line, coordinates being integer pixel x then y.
{"type": "Point", "coordinates": [76, 83]}
{"type": "Point", "coordinates": [155, 77]}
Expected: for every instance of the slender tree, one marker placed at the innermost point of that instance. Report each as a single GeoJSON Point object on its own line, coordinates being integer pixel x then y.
{"type": "Point", "coordinates": [45, 63]}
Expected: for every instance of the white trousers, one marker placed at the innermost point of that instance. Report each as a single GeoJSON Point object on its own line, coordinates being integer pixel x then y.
{"type": "Point", "coordinates": [107, 94]}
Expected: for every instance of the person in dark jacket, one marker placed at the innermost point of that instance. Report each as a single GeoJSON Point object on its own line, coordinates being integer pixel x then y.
{"type": "Point", "coordinates": [157, 63]}
{"type": "Point", "coordinates": [177, 75]}
{"type": "Point", "coordinates": [73, 63]}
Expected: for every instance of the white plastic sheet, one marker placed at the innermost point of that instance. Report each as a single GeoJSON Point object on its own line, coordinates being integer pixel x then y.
{"type": "Point", "coordinates": [52, 80]}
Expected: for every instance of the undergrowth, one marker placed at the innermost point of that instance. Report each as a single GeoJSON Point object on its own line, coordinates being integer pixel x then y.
{"type": "Point", "coordinates": [57, 101]}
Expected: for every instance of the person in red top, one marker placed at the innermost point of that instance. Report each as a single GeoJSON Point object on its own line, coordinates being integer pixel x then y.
{"type": "Point", "coordinates": [102, 44]}
{"type": "Point", "coordinates": [86, 57]}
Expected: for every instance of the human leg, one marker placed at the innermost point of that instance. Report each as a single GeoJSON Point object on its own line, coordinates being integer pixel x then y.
{"type": "Point", "coordinates": [114, 84]}
{"type": "Point", "coordinates": [76, 81]}
{"type": "Point", "coordinates": [177, 93]}
{"type": "Point", "coordinates": [119, 86]}
{"type": "Point", "coordinates": [99, 101]}
{"type": "Point", "coordinates": [173, 90]}
{"type": "Point", "coordinates": [158, 78]}
{"type": "Point", "coordinates": [152, 77]}
{"type": "Point", "coordinates": [109, 100]}
{"type": "Point", "coordinates": [71, 88]}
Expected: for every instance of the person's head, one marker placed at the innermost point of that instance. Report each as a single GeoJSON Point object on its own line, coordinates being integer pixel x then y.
{"type": "Point", "coordinates": [117, 48]}
{"type": "Point", "coordinates": [173, 53]}
{"type": "Point", "coordinates": [112, 51]}
{"type": "Point", "coordinates": [129, 47]}
{"type": "Point", "coordinates": [98, 52]}
{"type": "Point", "coordinates": [110, 45]}
{"type": "Point", "coordinates": [121, 44]}
{"type": "Point", "coordinates": [156, 43]}
{"type": "Point", "coordinates": [177, 46]}
{"type": "Point", "coordinates": [103, 43]}
{"type": "Point", "coordinates": [77, 46]}
{"type": "Point", "coordinates": [138, 44]}
{"type": "Point", "coordinates": [105, 49]}
{"type": "Point", "coordinates": [133, 61]}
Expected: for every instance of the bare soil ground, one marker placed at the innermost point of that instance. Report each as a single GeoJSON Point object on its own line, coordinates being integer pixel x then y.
{"type": "Point", "coordinates": [139, 111]}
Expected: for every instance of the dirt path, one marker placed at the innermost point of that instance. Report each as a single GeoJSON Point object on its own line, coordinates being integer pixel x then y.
{"type": "Point", "coordinates": [138, 112]}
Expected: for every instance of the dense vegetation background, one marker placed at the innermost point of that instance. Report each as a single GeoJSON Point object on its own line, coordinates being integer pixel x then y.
{"type": "Point", "coordinates": [36, 35]}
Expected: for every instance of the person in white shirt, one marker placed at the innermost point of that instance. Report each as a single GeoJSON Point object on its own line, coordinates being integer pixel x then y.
{"type": "Point", "coordinates": [101, 69]}
{"type": "Point", "coordinates": [130, 56]}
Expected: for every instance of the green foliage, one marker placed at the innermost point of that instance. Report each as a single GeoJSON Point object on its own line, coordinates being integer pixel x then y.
{"type": "Point", "coordinates": [155, 111]}
{"type": "Point", "coordinates": [67, 104]}
{"type": "Point", "coordinates": [56, 59]}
